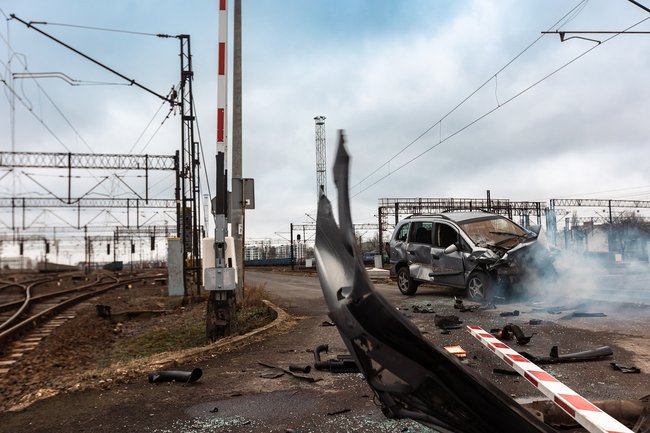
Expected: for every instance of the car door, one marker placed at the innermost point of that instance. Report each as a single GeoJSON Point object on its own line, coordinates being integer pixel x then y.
{"type": "Point", "coordinates": [418, 250]}
{"type": "Point", "coordinates": [446, 268]}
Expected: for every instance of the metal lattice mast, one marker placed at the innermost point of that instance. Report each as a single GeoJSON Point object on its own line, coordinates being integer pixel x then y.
{"type": "Point", "coordinates": [321, 163]}
{"type": "Point", "coordinates": [190, 210]}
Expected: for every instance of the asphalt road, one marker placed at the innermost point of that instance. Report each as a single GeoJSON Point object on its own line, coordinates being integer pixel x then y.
{"type": "Point", "coordinates": [236, 394]}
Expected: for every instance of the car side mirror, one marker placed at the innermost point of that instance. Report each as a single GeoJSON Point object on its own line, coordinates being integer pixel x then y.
{"type": "Point", "coordinates": [451, 249]}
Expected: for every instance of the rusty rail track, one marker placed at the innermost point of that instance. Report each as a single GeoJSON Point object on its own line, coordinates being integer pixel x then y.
{"type": "Point", "coordinates": [22, 321]}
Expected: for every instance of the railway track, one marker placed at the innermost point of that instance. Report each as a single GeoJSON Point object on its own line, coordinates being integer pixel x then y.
{"type": "Point", "coordinates": [38, 308]}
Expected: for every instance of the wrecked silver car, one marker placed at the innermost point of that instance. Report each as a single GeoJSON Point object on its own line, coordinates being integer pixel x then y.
{"type": "Point", "coordinates": [411, 377]}
{"type": "Point", "coordinates": [479, 251]}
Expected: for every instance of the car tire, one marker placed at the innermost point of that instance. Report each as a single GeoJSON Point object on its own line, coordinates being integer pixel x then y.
{"type": "Point", "coordinates": [405, 283]}
{"type": "Point", "coordinates": [478, 286]}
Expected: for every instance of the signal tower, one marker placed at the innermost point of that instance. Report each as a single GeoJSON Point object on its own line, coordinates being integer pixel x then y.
{"type": "Point", "coordinates": [321, 165]}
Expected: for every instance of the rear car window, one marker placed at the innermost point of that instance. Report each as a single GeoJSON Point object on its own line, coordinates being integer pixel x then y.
{"type": "Point", "coordinates": [402, 233]}
{"type": "Point", "coordinates": [421, 232]}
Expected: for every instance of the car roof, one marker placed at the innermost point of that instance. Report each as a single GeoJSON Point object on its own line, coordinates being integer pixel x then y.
{"type": "Point", "coordinates": [458, 216]}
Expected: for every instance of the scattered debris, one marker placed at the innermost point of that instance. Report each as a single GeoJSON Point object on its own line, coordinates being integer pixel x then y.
{"type": "Point", "coordinates": [505, 371]}
{"type": "Point", "coordinates": [327, 323]}
{"type": "Point", "coordinates": [555, 358]}
{"type": "Point", "coordinates": [290, 373]}
{"type": "Point", "coordinates": [214, 410]}
{"type": "Point", "coordinates": [559, 309]}
{"type": "Point", "coordinates": [509, 313]}
{"type": "Point", "coordinates": [624, 369]}
{"type": "Point", "coordinates": [582, 314]}
{"type": "Point", "coordinates": [457, 351]}
{"type": "Point", "coordinates": [103, 311]}
{"type": "Point", "coordinates": [341, 364]}
{"type": "Point", "coordinates": [418, 308]}
{"type": "Point", "coordinates": [338, 412]}
{"type": "Point", "coordinates": [132, 314]}
{"type": "Point", "coordinates": [300, 368]}
{"type": "Point", "coordinates": [459, 305]}
{"type": "Point", "coordinates": [625, 411]}
{"type": "Point", "coordinates": [175, 376]}
{"type": "Point", "coordinates": [590, 417]}
{"type": "Point", "coordinates": [642, 424]}
{"type": "Point", "coordinates": [510, 330]}
{"type": "Point", "coordinates": [447, 322]}
{"type": "Point", "coordinates": [535, 322]}
{"type": "Point", "coordinates": [273, 375]}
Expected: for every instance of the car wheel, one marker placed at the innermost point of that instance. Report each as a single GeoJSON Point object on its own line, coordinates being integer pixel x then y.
{"type": "Point", "coordinates": [405, 283]}
{"type": "Point", "coordinates": [478, 286]}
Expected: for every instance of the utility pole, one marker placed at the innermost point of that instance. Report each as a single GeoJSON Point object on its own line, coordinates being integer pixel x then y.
{"type": "Point", "coordinates": [237, 214]}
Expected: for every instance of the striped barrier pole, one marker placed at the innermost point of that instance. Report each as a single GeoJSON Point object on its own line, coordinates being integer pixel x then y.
{"type": "Point", "coordinates": [222, 80]}
{"type": "Point", "coordinates": [584, 412]}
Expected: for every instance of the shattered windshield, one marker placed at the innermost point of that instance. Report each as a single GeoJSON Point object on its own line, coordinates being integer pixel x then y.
{"type": "Point", "coordinates": [494, 231]}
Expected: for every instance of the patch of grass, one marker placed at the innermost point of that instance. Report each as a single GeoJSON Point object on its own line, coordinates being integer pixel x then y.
{"type": "Point", "coordinates": [249, 318]}
{"type": "Point", "coordinates": [253, 312]}
{"type": "Point", "coordinates": [186, 329]}
{"type": "Point", "coordinates": [254, 294]}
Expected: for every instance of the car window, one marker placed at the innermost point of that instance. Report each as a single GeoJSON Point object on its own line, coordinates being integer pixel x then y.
{"type": "Point", "coordinates": [421, 232]}
{"type": "Point", "coordinates": [402, 233]}
{"type": "Point", "coordinates": [494, 231]}
{"type": "Point", "coordinates": [445, 235]}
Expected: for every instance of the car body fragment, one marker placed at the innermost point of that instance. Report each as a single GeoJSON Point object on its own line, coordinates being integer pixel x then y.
{"type": "Point", "coordinates": [411, 377]}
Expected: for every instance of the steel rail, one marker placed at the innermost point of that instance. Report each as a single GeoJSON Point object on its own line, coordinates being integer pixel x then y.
{"type": "Point", "coordinates": [34, 319]}
{"type": "Point", "coordinates": [25, 303]}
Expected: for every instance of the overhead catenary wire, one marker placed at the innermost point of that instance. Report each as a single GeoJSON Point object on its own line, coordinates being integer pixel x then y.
{"type": "Point", "coordinates": [87, 57]}
{"type": "Point", "coordinates": [144, 147]}
{"type": "Point", "coordinates": [22, 59]}
{"type": "Point", "coordinates": [515, 96]}
{"type": "Point", "coordinates": [40, 119]}
{"type": "Point", "coordinates": [562, 20]}
{"type": "Point", "coordinates": [13, 93]}
{"type": "Point", "coordinates": [104, 29]}
{"type": "Point", "coordinates": [205, 168]}
{"type": "Point", "coordinates": [69, 80]}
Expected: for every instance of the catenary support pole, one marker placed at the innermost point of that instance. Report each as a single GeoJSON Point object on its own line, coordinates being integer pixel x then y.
{"type": "Point", "coordinates": [237, 140]}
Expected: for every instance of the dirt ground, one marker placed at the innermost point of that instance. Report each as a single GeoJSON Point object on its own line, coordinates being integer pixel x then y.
{"type": "Point", "coordinates": [237, 394]}
{"type": "Point", "coordinates": [144, 321]}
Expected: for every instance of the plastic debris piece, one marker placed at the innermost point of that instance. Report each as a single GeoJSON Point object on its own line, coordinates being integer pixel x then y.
{"type": "Point", "coordinates": [290, 373]}
{"type": "Point", "coordinates": [555, 358]}
{"type": "Point", "coordinates": [175, 376]}
{"type": "Point", "coordinates": [300, 368]}
{"type": "Point", "coordinates": [624, 369]}
{"type": "Point", "coordinates": [447, 322]}
{"type": "Point", "coordinates": [457, 351]}
{"type": "Point", "coordinates": [509, 313]}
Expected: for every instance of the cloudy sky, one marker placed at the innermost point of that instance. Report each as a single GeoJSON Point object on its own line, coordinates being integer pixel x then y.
{"type": "Point", "coordinates": [388, 72]}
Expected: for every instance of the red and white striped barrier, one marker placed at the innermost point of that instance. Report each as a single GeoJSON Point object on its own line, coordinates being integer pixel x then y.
{"type": "Point", "coordinates": [222, 80]}
{"type": "Point", "coordinates": [579, 408]}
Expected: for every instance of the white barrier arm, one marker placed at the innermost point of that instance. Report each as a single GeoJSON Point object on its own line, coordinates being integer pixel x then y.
{"type": "Point", "coordinates": [579, 408]}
